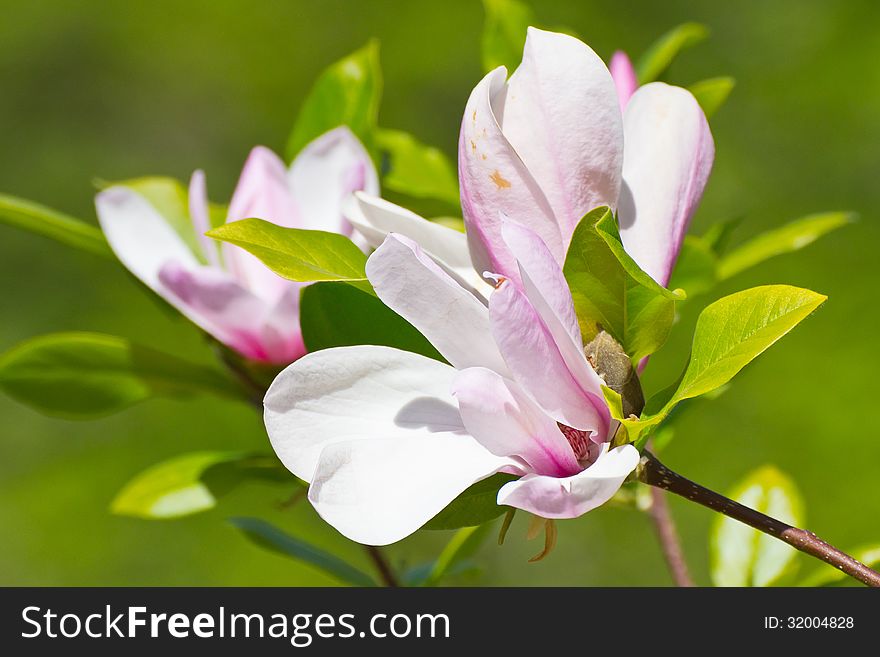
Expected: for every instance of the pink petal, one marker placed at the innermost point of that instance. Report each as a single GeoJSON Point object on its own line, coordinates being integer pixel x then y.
{"type": "Point", "coordinates": [262, 193]}
{"type": "Point", "coordinates": [625, 80]}
{"type": "Point", "coordinates": [200, 215]}
{"type": "Point", "coordinates": [562, 116]}
{"type": "Point", "coordinates": [494, 181]}
{"type": "Point", "coordinates": [668, 158]}
{"type": "Point", "coordinates": [537, 364]}
{"type": "Point", "coordinates": [505, 421]}
{"type": "Point", "coordinates": [570, 497]}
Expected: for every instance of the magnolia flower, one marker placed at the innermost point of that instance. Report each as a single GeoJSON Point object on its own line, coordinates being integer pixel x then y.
{"type": "Point", "coordinates": [226, 291]}
{"type": "Point", "coordinates": [550, 144]}
{"type": "Point", "coordinates": [388, 438]}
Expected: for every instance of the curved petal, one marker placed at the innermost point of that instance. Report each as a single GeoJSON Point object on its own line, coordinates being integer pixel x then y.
{"type": "Point", "coordinates": [624, 75]}
{"type": "Point", "coordinates": [212, 299]}
{"type": "Point", "coordinates": [537, 364]}
{"type": "Point", "coordinates": [381, 490]}
{"type": "Point", "coordinates": [506, 422]}
{"type": "Point", "coordinates": [668, 158]}
{"type": "Point", "coordinates": [570, 497]}
{"type": "Point", "coordinates": [417, 289]}
{"type": "Point", "coordinates": [139, 236]}
{"type": "Point", "coordinates": [324, 175]}
{"type": "Point", "coordinates": [494, 181]}
{"type": "Point", "coordinates": [262, 193]}
{"type": "Point", "coordinates": [563, 117]}
{"type": "Point", "coordinates": [200, 215]}
{"type": "Point", "coordinates": [363, 392]}
{"type": "Point", "coordinates": [375, 218]}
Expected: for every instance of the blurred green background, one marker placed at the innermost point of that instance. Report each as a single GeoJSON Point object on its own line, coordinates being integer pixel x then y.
{"type": "Point", "coordinates": [117, 90]}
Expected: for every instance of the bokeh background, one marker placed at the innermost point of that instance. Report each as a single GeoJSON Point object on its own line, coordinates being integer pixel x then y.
{"type": "Point", "coordinates": [93, 89]}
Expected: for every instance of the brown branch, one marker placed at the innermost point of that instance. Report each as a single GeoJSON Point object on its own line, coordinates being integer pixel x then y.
{"type": "Point", "coordinates": [668, 537]}
{"type": "Point", "coordinates": [654, 473]}
{"type": "Point", "coordinates": [386, 574]}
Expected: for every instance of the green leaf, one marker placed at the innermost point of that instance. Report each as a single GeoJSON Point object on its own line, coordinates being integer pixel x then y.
{"type": "Point", "coordinates": [696, 268]}
{"type": "Point", "coordinates": [416, 169]}
{"type": "Point", "coordinates": [86, 375]}
{"type": "Point", "coordinates": [463, 544]}
{"type": "Point", "coordinates": [734, 330]}
{"type": "Point", "coordinates": [662, 52]}
{"type": "Point", "coordinates": [52, 224]}
{"type": "Point", "coordinates": [347, 93]}
{"type": "Point", "coordinates": [475, 506]}
{"type": "Point", "coordinates": [790, 237]}
{"type": "Point", "coordinates": [742, 556]}
{"type": "Point", "coordinates": [340, 315]}
{"type": "Point", "coordinates": [720, 233]}
{"type": "Point", "coordinates": [271, 538]}
{"type": "Point", "coordinates": [711, 94]}
{"type": "Point", "coordinates": [611, 292]}
{"type": "Point", "coordinates": [191, 483]}
{"type": "Point", "coordinates": [830, 576]}
{"type": "Point", "coordinates": [295, 253]}
{"type": "Point", "coordinates": [504, 33]}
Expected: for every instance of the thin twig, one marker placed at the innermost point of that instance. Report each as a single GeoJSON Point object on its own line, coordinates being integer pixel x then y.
{"type": "Point", "coordinates": [668, 537]}
{"type": "Point", "coordinates": [654, 473]}
{"type": "Point", "coordinates": [386, 574]}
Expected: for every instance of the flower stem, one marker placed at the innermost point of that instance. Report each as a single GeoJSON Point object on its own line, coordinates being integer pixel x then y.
{"type": "Point", "coordinates": [668, 537]}
{"type": "Point", "coordinates": [386, 574]}
{"type": "Point", "coordinates": [654, 473]}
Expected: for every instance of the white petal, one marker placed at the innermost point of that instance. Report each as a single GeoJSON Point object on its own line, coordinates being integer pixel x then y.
{"type": "Point", "coordinates": [570, 497]}
{"type": "Point", "coordinates": [417, 289]}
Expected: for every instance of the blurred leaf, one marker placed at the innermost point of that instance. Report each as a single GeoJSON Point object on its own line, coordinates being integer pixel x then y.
{"type": "Point", "coordinates": [830, 576]}
{"type": "Point", "coordinates": [86, 375]}
{"type": "Point", "coordinates": [719, 234]}
{"type": "Point", "coordinates": [790, 237]}
{"type": "Point", "coordinates": [504, 33]}
{"type": "Point", "coordinates": [57, 226]}
{"type": "Point", "coordinates": [711, 94]}
{"type": "Point", "coordinates": [455, 223]}
{"type": "Point", "coordinates": [297, 254]}
{"type": "Point", "coordinates": [348, 92]}
{"type": "Point", "coordinates": [191, 483]}
{"type": "Point", "coordinates": [340, 315]}
{"type": "Point", "coordinates": [734, 330]}
{"type": "Point", "coordinates": [696, 269]}
{"type": "Point", "coordinates": [475, 506]}
{"type": "Point", "coordinates": [664, 50]}
{"type": "Point", "coordinates": [271, 538]}
{"type": "Point", "coordinates": [742, 556]}
{"type": "Point", "coordinates": [611, 292]}
{"type": "Point", "coordinates": [416, 169]}
{"type": "Point", "coordinates": [463, 544]}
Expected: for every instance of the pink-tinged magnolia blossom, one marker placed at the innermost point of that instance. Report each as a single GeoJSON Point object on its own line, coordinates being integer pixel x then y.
{"type": "Point", "coordinates": [227, 291]}
{"type": "Point", "coordinates": [624, 75]}
{"type": "Point", "coordinates": [551, 143]}
{"type": "Point", "coordinates": [388, 438]}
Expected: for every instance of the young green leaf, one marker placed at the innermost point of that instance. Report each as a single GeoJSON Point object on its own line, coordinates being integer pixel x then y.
{"type": "Point", "coordinates": [347, 93]}
{"type": "Point", "coordinates": [611, 292]}
{"type": "Point", "coordinates": [295, 253]}
{"type": "Point", "coordinates": [87, 375]}
{"type": "Point", "coordinates": [711, 94]}
{"type": "Point", "coordinates": [696, 269]}
{"type": "Point", "coordinates": [271, 538]}
{"type": "Point", "coordinates": [415, 169]}
{"type": "Point", "coordinates": [662, 52]}
{"type": "Point", "coordinates": [504, 33]}
{"type": "Point", "coordinates": [52, 224]}
{"type": "Point", "coordinates": [191, 483]}
{"type": "Point", "coordinates": [476, 505]}
{"type": "Point", "coordinates": [340, 315]}
{"type": "Point", "coordinates": [463, 544]}
{"type": "Point", "coordinates": [734, 330]}
{"type": "Point", "coordinates": [742, 556]}
{"type": "Point", "coordinates": [790, 237]}
{"type": "Point", "coordinates": [831, 576]}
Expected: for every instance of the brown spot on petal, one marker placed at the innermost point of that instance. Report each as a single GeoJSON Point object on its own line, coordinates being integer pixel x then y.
{"type": "Point", "coordinates": [499, 180]}
{"type": "Point", "coordinates": [473, 146]}
{"type": "Point", "coordinates": [484, 156]}
{"type": "Point", "coordinates": [475, 116]}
